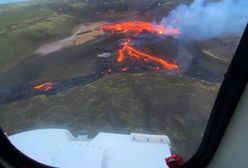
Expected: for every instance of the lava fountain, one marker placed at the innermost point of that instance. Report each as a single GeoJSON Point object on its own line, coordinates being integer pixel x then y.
{"type": "Point", "coordinates": [137, 27]}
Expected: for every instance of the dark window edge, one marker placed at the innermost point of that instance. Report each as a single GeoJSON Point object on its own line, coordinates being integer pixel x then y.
{"type": "Point", "coordinates": [14, 157]}
{"type": "Point", "coordinates": [228, 97]}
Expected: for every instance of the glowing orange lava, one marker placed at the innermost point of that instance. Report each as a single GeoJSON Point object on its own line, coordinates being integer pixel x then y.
{"type": "Point", "coordinates": [139, 54]}
{"type": "Point", "coordinates": [137, 27]}
{"type": "Point", "coordinates": [44, 86]}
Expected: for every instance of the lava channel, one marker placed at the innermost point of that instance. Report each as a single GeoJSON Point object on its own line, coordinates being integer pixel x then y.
{"type": "Point", "coordinates": [131, 51]}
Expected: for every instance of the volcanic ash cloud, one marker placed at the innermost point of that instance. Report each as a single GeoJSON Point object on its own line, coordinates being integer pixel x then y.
{"type": "Point", "coordinates": [203, 20]}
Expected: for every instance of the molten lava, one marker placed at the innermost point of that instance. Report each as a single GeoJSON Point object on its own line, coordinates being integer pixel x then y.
{"type": "Point", "coordinates": [44, 86]}
{"type": "Point", "coordinates": [137, 27]}
{"type": "Point", "coordinates": [131, 51]}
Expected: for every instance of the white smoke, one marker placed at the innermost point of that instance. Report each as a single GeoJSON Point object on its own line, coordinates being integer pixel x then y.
{"type": "Point", "coordinates": [203, 20]}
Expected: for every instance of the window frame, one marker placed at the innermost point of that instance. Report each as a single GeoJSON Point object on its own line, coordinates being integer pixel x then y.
{"type": "Point", "coordinates": [233, 85]}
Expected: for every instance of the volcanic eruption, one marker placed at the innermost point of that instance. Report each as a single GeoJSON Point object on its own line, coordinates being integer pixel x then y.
{"type": "Point", "coordinates": [137, 27]}
{"type": "Point", "coordinates": [132, 29]}
{"type": "Point", "coordinates": [132, 55]}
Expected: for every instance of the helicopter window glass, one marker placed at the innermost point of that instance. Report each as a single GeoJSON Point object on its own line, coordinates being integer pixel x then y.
{"type": "Point", "coordinates": [116, 66]}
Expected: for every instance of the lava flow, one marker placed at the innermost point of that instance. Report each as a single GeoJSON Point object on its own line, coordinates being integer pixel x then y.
{"type": "Point", "coordinates": [44, 86]}
{"type": "Point", "coordinates": [137, 27]}
{"type": "Point", "coordinates": [131, 51]}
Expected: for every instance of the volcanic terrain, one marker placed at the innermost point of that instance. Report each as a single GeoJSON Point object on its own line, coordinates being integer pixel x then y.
{"type": "Point", "coordinates": [102, 76]}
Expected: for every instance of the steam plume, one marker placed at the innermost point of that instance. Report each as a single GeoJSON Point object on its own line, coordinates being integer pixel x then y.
{"type": "Point", "coordinates": [203, 20]}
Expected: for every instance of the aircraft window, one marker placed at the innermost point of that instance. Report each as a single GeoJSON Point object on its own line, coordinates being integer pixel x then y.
{"type": "Point", "coordinates": [119, 66]}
